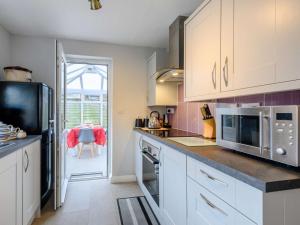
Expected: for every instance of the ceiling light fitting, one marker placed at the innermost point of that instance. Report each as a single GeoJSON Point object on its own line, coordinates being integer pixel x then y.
{"type": "Point", "coordinates": [95, 4]}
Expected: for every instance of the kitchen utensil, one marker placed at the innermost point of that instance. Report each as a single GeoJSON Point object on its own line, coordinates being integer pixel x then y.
{"type": "Point", "coordinates": [166, 121]}
{"type": "Point", "coordinates": [17, 73]}
{"type": "Point", "coordinates": [209, 128]}
{"type": "Point", "coordinates": [207, 110]}
{"type": "Point", "coordinates": [21, 134]}
{"type": "Point", "coordinates": [139, 122]}
{"type": "Point", "coordinates": [203, 112]}
{"type": "Point", "coordinates": [154, 120]}
{"type": "Point", "coordinates": [146, 122]}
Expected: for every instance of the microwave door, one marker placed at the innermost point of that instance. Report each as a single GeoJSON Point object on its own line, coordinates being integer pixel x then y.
{"type": "Point", "coordinates": [230, 128]}
{"type": "Point", "coordinates": [254, 134]}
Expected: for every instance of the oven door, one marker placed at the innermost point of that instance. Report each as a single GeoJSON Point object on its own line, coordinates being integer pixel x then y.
{"type": "Point", "coordinates": [245, 129]}
{"type": "Point", "coordinates": [151, 176]}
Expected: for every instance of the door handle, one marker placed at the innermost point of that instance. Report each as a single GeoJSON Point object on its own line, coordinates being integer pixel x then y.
{"type": "Point", "coordinates": [225, 72]}
{"type": "Point", "coordinates": [214, 75]}
{"type": "Point", "coordinates": [213, 178]}
{"type": "Point", "coordinates": [262, 146]}
{"type": "Point", "coordinates": [27, 163]}
{"type": "Point", "coordinates": [211, 205]}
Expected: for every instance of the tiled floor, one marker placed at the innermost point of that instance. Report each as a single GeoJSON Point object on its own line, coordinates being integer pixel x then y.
{"type": "Point", "coordinates": [90, 203]}
{"type": "Point", "coordinates": [86, 163]}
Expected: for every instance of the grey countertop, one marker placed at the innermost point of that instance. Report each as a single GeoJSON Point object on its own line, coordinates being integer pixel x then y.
{"type": "Point", "coordinates": [262, 174]}
{"type": "Point", "coordinates": [18, 143]}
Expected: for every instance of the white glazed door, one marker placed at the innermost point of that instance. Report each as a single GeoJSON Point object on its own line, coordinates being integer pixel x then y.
{"type": "Point", "coordinates": [173, 185]}
{"type": "Point", "coordinates": [254, 43]}
{"type": "Point", "coordinates": [61, 180]}
{"type": "Point", "coordinates": [202, 51]}
{"type": "Point", "coordinates": [287, 40]}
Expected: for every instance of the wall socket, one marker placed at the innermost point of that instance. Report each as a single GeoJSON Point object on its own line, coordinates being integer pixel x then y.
{"type": "Point", "coordinates": [170, 110]}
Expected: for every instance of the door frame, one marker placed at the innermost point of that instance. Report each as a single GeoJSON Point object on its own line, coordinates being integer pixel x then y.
{"type": "Point", "coordinates": [59, 190]}
{"type": "Point", "coordinates": [109, 62]}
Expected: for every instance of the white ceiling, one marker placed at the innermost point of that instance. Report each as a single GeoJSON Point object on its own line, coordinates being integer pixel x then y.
{"type": "Point", "coordinates": [129, 22]}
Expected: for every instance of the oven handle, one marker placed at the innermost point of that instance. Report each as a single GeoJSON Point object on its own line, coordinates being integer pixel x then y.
{"type": "Point", "coordinates": [150, 158]}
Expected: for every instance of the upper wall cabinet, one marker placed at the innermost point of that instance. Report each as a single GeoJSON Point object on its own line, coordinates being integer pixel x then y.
{"type": "Point", "coordinates": [258, 48]}
{"type": "Point", "coordinates": [202, 51]}
{"type": "Point", "coordinates": [287, 40]}
{"type": "Point", "coordinates": [156, 62]}
{"type": "Point", "coordinates": [159, 94]}
{"type": "Point", "coordinates": [254, 41]}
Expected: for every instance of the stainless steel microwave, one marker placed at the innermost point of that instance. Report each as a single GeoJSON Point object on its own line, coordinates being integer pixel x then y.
{"type": "Point", "coordinates": [268, 132]}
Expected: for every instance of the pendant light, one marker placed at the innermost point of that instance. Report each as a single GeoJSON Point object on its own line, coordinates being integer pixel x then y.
{"type": "Point", "coordinates": [95, 4]}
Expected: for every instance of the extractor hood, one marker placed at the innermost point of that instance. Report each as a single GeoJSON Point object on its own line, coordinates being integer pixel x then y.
{"type": "Point", "coordinates": [175, 71]}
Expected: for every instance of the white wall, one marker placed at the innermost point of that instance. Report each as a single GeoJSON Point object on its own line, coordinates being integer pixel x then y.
{"type": "Point", "coordinates": [36, 54]}
{"type": "Point", "coordinates": [5, 45]}
{"type": "Point", "coordinates": [129, 94]}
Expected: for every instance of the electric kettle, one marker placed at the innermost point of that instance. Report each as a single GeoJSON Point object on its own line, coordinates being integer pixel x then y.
{"type": "Point", "coordinates": [154, 120]}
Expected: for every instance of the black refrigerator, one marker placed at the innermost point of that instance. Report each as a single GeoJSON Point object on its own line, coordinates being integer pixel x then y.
{"type": "Point", "coordinates": [30, 107]}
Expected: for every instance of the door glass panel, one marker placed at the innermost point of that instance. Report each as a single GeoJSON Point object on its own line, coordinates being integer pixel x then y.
{"type": "Point", "coordinates": [249, 130]}
{"type": "Point", "coordinates": [230, 128]}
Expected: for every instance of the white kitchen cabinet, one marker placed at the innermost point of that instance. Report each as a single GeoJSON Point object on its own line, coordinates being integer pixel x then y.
{"type": "Point", "coordinates": [202, 51]}
{"type": "Point", "coordinates": [204, 208]}
{"type": "Point", "coordinates": [162, 94]}
{"type": "Point", "coordinates": [11, 189]}
{"type": "Point", "coordinates": [287, 40]}
{"type": "Point", "coordinates": [173, 186]}
{"type": "Point", "coordinates": [227, 36]}
{"type": "Point", "coordinates": [31, 181]}
{"type": "Point", "coordinates": [156, 62]}
{"type": "Point", "coordinates": [138, 157]}
{"type": "Point", "coordinates": [209, 203]}
{"type": "Point", "coordinates": [254, 43]}
{"type": "Point", "coordinates": [159, 94]}
{"type": "Point", "coordinates": [259, 48]}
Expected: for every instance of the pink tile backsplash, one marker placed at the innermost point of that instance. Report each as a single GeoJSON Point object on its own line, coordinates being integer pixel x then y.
{"type": "Point", "coordinates": [193, 117]}
{"type": "Point", "coordinates": [269, 99]}
{"type": "Point", "coordinates": [188, 117]}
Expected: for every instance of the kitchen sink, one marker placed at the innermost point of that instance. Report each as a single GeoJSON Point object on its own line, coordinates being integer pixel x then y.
{"type": "Point", "coordinates": [193, 141]}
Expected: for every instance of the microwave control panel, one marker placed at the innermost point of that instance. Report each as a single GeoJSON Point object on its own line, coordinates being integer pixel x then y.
{"type": "Point", "coordinates": [285, 134]}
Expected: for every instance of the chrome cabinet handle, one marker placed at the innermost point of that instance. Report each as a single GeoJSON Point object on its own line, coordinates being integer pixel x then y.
{"type": "Point", "coordinates": [225, 72]}
{"type": "Point", "coordinates": [27, 159]}
{"type": "Point", "coordinates": [211, 205]}
{"type": "Point", "coordinates": [213, 178]}
{"type": "Point", "coordinates": [214, 75]}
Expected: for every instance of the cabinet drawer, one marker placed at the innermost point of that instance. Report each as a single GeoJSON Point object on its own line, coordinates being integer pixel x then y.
{"type": "Point", "coordinates": [215, 181]}
{"type": "Point", "coordinates": [204, 208]}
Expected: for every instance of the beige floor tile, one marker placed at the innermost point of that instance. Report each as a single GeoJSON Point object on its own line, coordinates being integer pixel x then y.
{"type": "Point", "coordinates": [89, 203]}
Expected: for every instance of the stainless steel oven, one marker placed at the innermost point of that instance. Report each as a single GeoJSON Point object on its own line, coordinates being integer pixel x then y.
{"type": "Point", "coordinates": [267, 132]}
{"type": "Point", "coordinates": [150, 158]}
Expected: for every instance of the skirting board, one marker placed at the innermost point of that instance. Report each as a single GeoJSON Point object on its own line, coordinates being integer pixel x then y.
{"type": "Point", "coordinates": [123, 179]}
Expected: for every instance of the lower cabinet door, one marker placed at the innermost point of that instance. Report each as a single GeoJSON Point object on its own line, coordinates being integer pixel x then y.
{"type": "Point", "coordinates": [204, 208]}
{"type": "Point", "coordinates": [10, 194]}
{"type": "Point", "coordinates": [31, 173]}
{"type": "Point", "coordinates": [173, 185]}
{"type": "Point", "coordinates": [138, 157]}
